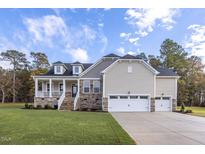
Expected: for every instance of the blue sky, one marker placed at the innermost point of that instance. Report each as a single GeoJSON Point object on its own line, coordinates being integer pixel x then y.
{"type": "Point", "coordinates": [87, 34]}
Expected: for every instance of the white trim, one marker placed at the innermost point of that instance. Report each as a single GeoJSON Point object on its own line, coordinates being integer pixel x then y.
{"type": "Point", "coordinates": [89, 87]}
{"type": "Point", "coordinates": [36, 87]}
{"type": "Point", "coordinates": [103, 85]}
{"type": "Point", "coordinates": [139, 60]}
{"type": "Point", "coordinates": [89, 78]}
{"type": "Point", "coordinates": [91, 67]}
{"type": "Point", "coordinates": [55, 77]}
{"type": "Point", "coordinates": [177, 77]}
{"type": "Point", "coordinates": [155, 86]}
{"type": "Point", "coordinates": [50, 87]}
{"type": "Point", "coordinates": [176, 89]}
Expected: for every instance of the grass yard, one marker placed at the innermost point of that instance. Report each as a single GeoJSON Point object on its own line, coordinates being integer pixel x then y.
{"type": "Point", "coordinates": [197, 111]}
{"type": "Point", "coordinates": [20, 126]}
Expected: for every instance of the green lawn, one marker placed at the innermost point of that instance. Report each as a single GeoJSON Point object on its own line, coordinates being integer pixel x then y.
{"type": "Point", "coordinates": [197, 111]}
{"type": "Point", "coordinates": [20, 126]}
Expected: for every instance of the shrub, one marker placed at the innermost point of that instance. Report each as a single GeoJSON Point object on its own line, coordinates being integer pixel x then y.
{"type": "Point", "coordinates": [188, 111]}
{"type": "Point", "coordinates": [30, 107]}
{"type": "Point", "coordinates": [55, 106]}
{"type": "Point", "coordinates": [26, 106]}
{"type": "Point", "coordinates": [47, 106]}
{"type": "Point", "coordinates": [182, 107]}
{"type": "Point", "coordinates": [39, 107]}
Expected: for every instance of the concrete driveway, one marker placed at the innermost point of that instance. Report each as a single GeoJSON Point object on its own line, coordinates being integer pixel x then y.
{"type": "Point", "coordinates": [163, 127]}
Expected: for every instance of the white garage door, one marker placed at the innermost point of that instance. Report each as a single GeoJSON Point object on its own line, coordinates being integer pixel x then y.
{"type": "Point", "coordinates": [127, 103]}
{"type": "Point", "coordinates": [163, 104]}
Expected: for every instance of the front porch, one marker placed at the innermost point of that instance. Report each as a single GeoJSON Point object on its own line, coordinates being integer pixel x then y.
{"type": "Point", "coordinates": [56, 91]}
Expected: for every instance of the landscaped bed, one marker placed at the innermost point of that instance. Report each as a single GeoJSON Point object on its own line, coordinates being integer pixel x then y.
{"type": "Point", "coordinates": [197, 111]}
{"type": "Point", "coordinates": [21, 126]}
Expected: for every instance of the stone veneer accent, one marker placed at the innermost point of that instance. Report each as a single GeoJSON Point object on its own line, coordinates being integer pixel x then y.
{"type": "Point", "coordinates": [174, 104]}
{"type": "Point", "coordinates": [45, 101]}
{"type": "Point", "coordinates": [105, 104]}
{"type": "Point", "coordinates": [152, 109]}
{"type": "Point", "coordinates": [67, 102]}
{"type": "Point", "coordinates": [89, 101]}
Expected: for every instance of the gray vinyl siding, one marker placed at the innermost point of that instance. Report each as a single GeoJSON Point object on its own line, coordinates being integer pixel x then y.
{"type": "Point", "coordinates": [119, 81]}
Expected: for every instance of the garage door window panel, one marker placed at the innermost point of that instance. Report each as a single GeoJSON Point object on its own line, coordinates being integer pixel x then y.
{"type": "Point", "coordinates": [113, 97]}
{"type": "Point", "coordinates": [133, 97]}
{"type": "Point", "coordinates": [123, 97]}
{"type": "Point", "coordinates": [143, 97]}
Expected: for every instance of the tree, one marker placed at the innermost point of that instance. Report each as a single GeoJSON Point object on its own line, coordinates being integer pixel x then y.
{"type": "Point", "coordinates": [154, 61]}
{"type": "Point", "coordinates": [40, 60]}
{"type": "Point", "coordinates": [174, 56]}
{"type": "Point", "coordinates": [142, 55]}
{"type": "Point", "coordinates": [17, 60]}
{"type": "Point", "coordinates": [5, 83]}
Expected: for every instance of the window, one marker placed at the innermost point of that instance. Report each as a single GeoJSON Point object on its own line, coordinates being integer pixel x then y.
{"type": "Point", "coordinates": [113, 97]}
{"type": "Point", "coordinates": [123, 97]}
{"type": "Point", "coordinates": [133, 97]}
{"type": "Point", "coordinates": [129, 69]}
{"type": "Point", "coordinates": [48, 87]}
{"type": "Point", "coordinates": [165, 98]}
{"type": "Point", "coordinates": [76, 70]}
{"type": "Point", "coordinates": [61, 87]}
{"type": "Point", "coordinates": [96, 86]}
{"type": "Point", "coordinates": [157, 98]}
{"type": "Point", "coordinates": [58, 69]}
{"type": "Point", "coordinates": [143, 97]}
{"type": "Point", "coordinates": [86, 86]}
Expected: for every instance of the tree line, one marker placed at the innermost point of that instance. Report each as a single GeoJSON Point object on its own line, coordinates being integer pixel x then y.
{"type": "Point", "coordinates": [16, 84]}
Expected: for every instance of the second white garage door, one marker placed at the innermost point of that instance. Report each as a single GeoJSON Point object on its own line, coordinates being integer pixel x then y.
{"type": "Point", "coordinates": [127, 103]}
{"type": "Point", "coordinates": [163, 104]}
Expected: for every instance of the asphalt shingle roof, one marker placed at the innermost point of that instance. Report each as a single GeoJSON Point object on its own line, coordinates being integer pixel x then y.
{"type": "Point", "coordinates": [112, 55]}
{"type": "Point", "coordinates": [69, 70]}
{"type": "Point", "coordinates": [166, 72]}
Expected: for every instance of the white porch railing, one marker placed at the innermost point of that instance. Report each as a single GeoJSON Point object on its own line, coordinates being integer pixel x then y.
{"type": "Point", "coordinates": [46, 93]}
{"type": "Point", "coordinates": [76, 99]}
{"type": "Point", "coordinates": [60, 101]}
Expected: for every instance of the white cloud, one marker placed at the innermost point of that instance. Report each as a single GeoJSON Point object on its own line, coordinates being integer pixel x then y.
{"type": "Point", "coordinates": [101, 24]}
{"type": "Point", "coordinates": [144, 20]}
{"type": "Point", "coordinates": [45, 28]}
{"type": "Point", "coordinates": [121, 51]}
{"type": "Point", "coordinates": [79, 55]}
{"type": "Point", "coordinates": [52, 31]}
{"type": "Point", "coordinates": [195, 41]}
{"type": "Point", "coordinates": [132, 53]}
{"type": "Point", "coordinates": [125, 35]}
{"type": "Point", "coordinates": [134, 40]}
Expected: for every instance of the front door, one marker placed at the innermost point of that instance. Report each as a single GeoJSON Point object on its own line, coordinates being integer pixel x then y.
{"type": "Point", "coordinates": [74, 90]}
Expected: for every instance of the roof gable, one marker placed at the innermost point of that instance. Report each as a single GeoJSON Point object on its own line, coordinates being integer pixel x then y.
{"type": "Point", "coordinates": [148, 66]}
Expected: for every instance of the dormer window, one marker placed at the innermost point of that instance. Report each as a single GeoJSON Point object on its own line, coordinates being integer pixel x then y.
{"type": "Point", "coordinates": [58, 69]}
{"type": "Point", "coordinates": [77, 70]}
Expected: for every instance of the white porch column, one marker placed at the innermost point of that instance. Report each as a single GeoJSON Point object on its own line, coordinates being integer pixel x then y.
{"type": "Point", "coordinates": [64, 86]}
{"type": "Point", "coordinates": [36, 87]}
{"type": "Point", "coordinates": [50, 87]}
{"type": "Point", "coordinates": [78, 86]}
